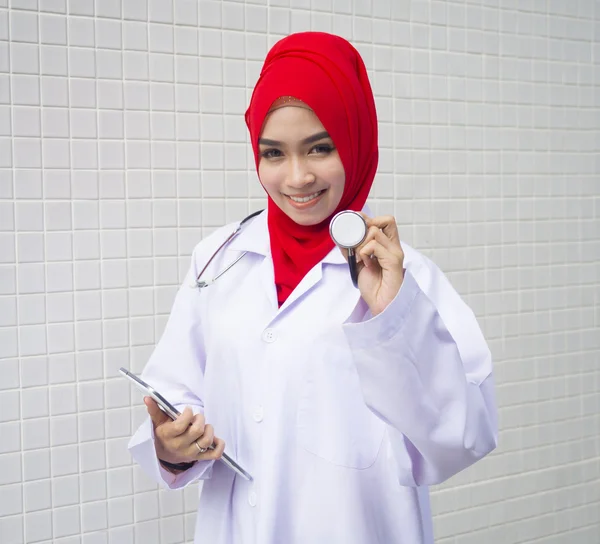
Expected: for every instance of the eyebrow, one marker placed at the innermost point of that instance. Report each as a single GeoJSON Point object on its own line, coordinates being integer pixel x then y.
{"type": "Point", "coordinates": [309, 140]}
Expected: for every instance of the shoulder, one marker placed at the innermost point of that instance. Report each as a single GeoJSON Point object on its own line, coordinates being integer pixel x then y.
{"type": "Point", "coordinates": [209, 245]}
{"type": "Point", "coordinates": [434, 284]}
{"type": "Point", "coordinates": [414, 260]}
{"type": "Point", "coordinates": [422, 268]}
{"type": "Point", "coordinates": [251, 237]}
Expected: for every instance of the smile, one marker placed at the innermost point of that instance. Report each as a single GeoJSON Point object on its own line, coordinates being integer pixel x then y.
{"type": "Point", "coordinates": [304, 199]}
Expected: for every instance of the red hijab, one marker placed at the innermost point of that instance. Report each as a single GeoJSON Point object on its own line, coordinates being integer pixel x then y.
{"type": "Point", "coordinates": [326, 73]}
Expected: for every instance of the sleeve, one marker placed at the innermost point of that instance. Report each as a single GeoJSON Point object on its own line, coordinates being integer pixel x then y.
{"type": "Point", "coordinates": [426, 371]}
{"type": "Point", "coordinates": [176, 370]}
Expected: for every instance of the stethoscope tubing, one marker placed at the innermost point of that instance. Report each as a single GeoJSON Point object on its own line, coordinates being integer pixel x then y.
{"type": "Point", "coordinates": [200, 284]}
{"type": "Point", "coordinates": [352, 264]}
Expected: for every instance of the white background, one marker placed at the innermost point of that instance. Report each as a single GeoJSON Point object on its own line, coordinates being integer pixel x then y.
{"type": "Point", "coordinates": [122, 143]}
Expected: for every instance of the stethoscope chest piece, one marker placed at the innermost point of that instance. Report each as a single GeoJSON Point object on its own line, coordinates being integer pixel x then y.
{"type": "Point", "coordinates": [348, 230]}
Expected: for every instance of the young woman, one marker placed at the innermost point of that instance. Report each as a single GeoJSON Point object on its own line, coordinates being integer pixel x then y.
{"type": "Point", "coordinates": [343, 403]}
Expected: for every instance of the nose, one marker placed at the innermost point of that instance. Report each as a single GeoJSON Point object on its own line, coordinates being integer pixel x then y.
{"type": "Point", "coordinates": [299, 175]}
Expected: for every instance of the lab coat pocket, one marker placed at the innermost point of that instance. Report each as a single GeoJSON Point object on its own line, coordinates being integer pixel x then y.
{"type": "Point", "coordinates": [333, 421]}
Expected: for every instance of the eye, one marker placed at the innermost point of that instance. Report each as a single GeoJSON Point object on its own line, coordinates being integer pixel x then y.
{"type": "Point", "coordinates": [271, 153]}
{"type": "Point", "coordinates": [322, 149]}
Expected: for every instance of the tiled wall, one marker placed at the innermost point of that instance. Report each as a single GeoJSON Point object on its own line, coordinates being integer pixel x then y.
{"type": "Point", "coordinates": [122, 143]}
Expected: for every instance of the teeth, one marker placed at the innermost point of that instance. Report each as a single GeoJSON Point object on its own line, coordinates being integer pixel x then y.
{"type": "Point", "coordinates": [306, 198]}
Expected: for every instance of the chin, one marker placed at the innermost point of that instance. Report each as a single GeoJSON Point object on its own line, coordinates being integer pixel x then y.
{"type": "Point", "coordinates": [305, 219]}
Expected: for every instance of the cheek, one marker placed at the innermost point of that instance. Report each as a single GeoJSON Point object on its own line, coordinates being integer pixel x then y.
{"type": "Point", "coordinates": [333, 171]}
{"type": "Point", "coordinates": [336, 178]}
{"type": "Point", "coordinates": [267, 178]}
{"type": "Point", "coordinates": [340, 182]}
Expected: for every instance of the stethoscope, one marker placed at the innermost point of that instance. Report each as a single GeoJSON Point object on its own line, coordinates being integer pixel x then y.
{"type": "Point", "coordinates": [200, 284]}
{"type": "Point", "coordinates": [347, 229]}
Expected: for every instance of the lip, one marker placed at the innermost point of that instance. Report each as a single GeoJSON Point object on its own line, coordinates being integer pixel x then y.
{"type": "Point", "coordinates": [305, 205]}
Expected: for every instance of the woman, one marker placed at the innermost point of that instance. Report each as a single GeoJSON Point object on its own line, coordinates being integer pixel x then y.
{"type": "Point", "coordinates": [344, 404]}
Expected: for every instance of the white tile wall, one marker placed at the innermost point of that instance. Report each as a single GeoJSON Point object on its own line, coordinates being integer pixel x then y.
{"type": "Point", "coordinates": [122, 143]}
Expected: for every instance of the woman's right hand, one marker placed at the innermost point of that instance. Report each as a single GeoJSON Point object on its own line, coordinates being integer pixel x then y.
{"type": "Point", "coordinates": [175, 441]}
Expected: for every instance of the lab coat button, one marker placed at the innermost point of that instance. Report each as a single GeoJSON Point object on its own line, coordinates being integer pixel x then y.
{"type": "Point", "coordinates": [258, 414]}
{"type": "Point", "coordinates": [269, 336]}
{"type": "Point", "coordinates": [252, 499]}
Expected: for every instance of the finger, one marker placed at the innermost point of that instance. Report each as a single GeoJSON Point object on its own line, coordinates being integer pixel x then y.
{"type": "Point", "coordinates": [364, 255]}
{"type": "Point", "coordinates": [207, 439]}
{"type": "Point", "coordinates": [180, 425]}
{"type": "Point", "coordinates": [157, 416]}
{"type": "Point", "coordinates": [393, 247]}
{"type": "Point", "coordinates": [387, 223]}
{"type": "Point", "coordinates": [368, 237]}
{"type": "Point", "coordinates": [196, 429]}
{"type": "Point", "coordinates": [216, 453]}
{"type": "Point", "coordinates": [382, 255]}
{"type": "Point", "coordinates": [374, 233]}
{"type": "Point", "coordinates": [194, 448]}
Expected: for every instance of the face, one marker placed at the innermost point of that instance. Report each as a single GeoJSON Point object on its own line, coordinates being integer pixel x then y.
{"type": "Point", "coordinates": [299, 166]}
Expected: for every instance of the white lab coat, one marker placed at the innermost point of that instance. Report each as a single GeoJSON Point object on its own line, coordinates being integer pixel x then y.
{"type": "Point", "coordinates": [342, 419]}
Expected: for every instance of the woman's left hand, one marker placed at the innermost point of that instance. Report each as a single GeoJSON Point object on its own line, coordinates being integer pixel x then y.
{"type": "Point", "coordinates": [380, 263]}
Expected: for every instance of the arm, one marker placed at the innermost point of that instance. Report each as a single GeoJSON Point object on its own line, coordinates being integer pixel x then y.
{"type": "Point", "coordinates": [425, 369]}
{"type": "Point", "coordinates": [176, 370]}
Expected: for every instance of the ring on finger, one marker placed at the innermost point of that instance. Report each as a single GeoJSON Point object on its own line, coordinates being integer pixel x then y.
{"type": "Point", "coordinates": [200, 449]}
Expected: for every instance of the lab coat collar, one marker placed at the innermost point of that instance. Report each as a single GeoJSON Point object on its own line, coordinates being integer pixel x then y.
{"type": "Point", "coordinates": [254, 237]}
